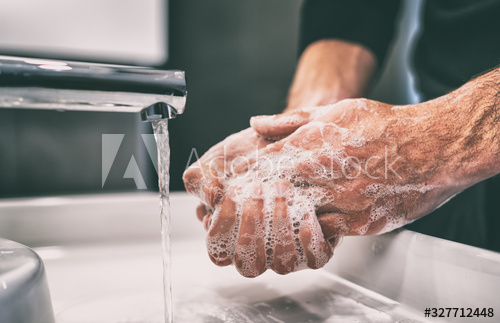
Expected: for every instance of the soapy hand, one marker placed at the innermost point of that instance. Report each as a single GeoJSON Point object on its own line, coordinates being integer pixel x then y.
{"type": "Point", "coordinates": [351, 168]}
{"type": "Point", "coordinates": [232, 210]}
{"type": "Point", "coordinates": [205, 177]}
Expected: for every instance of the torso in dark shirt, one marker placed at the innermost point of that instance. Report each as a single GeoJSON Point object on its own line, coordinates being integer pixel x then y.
{"type": "Point", "coordinates": [460, 39]}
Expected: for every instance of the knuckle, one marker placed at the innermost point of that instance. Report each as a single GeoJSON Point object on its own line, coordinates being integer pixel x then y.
{"type": "Point", "coordinates": [201, 211]}
{"type": "Point", "coordinates": [207, 222]}
{"type": "Point", "coordinates": [220, 261]}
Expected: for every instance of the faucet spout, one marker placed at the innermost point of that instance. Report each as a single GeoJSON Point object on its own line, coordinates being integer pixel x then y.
{"type": "Point", "coordinates": [61, 85]}
{"type": "Point", "coordinates": [158, 111]}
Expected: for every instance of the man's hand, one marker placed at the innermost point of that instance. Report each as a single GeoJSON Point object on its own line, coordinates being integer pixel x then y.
{"type": "Point", "coordinates": [353, 168]}
{"type": "Point", "coordinates": [206, 176]}
{"type": "Point", "coordinates": [373, 167]}
{"type": "Point", "coordinates": [328, 71]}
{"type": "Point", "coordinates": [337, 171]}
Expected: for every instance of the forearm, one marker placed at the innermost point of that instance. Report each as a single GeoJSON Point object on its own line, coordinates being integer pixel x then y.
{"type": "Point", "coordinates": [330, 71]}
{"type": "Point", "coordinates": [469, 119]}
{"type": "Point", "coordinates": [480, 102]}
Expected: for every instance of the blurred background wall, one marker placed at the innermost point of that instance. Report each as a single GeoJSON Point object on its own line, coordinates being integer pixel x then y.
{"type": "Point", "coordinates": [49, 152]}
{"type": "Point", "coordinates": [239, 58]}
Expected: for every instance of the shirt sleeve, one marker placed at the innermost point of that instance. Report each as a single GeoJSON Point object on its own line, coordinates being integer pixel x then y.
{"type": "Point", "coordinates": [370, 23]}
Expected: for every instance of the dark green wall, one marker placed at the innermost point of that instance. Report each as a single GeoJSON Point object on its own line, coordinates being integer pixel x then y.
{"type": "Point", "coordinates": [239, 58]}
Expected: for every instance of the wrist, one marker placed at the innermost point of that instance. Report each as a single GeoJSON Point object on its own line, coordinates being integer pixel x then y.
{"type": "Point", "coordinates": [330, 71]}
{"type": "Point", "coordinates": [426, 143]}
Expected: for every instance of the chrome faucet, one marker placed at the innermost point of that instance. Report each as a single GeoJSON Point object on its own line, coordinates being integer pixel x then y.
{"type": "Point", "coordinates": [61, 85]}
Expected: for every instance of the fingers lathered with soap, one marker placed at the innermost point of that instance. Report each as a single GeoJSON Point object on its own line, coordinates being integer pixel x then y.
{"type": "Point", "coordinates": [281, 194]}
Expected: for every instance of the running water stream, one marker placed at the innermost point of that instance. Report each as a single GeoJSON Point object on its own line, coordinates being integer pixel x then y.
{"type": "Point", "coordinates": [161, 136]}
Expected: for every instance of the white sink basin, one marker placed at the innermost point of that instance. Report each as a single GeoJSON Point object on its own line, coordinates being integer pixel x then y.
{"type": "Point", "coordinates": [102, 255]}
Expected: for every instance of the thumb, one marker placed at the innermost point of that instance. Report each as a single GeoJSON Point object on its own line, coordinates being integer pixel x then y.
{"type": "Point", "coordinates": [281, 125]}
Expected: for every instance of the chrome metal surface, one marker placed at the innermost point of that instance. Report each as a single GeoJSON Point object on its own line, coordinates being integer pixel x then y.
{"type": "Point", "coordinates": [60, 85]}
